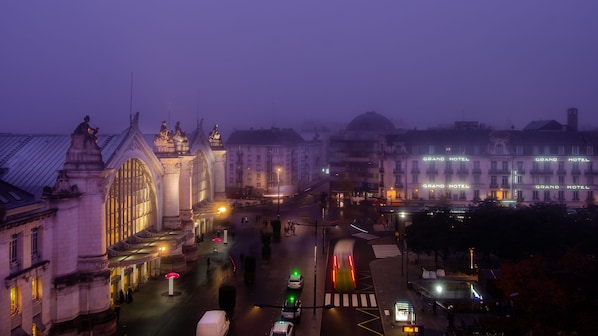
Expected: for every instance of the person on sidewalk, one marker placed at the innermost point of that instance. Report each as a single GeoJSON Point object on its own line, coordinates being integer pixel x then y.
{"type": "Point", "coordinates": [121, 297]}
{"type": "Point", "coordinates": [129, 295]}
{"type": "Point", "coordinates": [117, 311]}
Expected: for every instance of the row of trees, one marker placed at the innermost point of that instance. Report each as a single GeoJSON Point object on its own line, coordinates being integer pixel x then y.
{"type": "Point", "coordinates": [546, 254]}
{"type": "Point", "coordinates": [505, 233]}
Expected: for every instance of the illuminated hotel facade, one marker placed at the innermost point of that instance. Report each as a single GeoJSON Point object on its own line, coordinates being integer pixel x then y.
{"type": "Point", "coordinates": [544, 162]}
{"type": "Point", "coordinates": [86, 215]}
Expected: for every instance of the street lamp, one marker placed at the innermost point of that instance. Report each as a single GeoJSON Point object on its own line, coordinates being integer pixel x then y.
{"type": "Point", "coordinates": [278, 193]}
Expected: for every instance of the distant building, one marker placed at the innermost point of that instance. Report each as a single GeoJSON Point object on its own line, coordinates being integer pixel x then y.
{"type": "Point", "coordinates": [260, 162]}
{"type": "Point", "coordinates": [544, 162]}
{"type": "Point", "coordinates": [84, 216]}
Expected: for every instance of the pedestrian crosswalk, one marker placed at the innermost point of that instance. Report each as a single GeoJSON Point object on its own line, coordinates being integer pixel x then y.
{"type": "Point", "coordinates": [366, 236]}
{"type": "Point", "coordinates": [354, 300]}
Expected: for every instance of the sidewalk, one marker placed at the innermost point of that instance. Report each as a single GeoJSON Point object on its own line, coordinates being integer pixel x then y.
{"type": "Point", "coordinates": [152, 306]}
{"type": "Point", "coordinates": [391, 284]}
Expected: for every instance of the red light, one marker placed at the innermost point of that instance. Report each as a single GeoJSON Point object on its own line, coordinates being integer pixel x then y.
{"type": "Point", "coordinates": [352, 271]}
{"type": "Point", "coordinates": [334, 270]}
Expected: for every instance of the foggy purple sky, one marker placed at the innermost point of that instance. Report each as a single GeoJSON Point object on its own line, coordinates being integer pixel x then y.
{"type": "Point", "coordinates": [264, 63]}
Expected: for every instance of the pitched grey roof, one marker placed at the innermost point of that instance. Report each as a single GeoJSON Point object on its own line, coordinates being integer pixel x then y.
{"type": "Point", "coordinates": [265, 137]}
{"type": "Point", "coordinates": [31, 161]}
{"type": "Point", "coordinates": [12, 197]}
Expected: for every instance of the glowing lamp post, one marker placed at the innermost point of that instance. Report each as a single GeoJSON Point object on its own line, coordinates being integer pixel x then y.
{"type": "Point", "coordinates": [171, 276]}
{"type": "Point", "coordinates": [278, 192]}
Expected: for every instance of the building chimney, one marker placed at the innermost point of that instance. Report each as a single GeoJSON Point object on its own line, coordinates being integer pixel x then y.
{"type": "Point", "coordinates": [572, 119]}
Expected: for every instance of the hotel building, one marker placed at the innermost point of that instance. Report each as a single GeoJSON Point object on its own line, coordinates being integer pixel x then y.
{"type": "Point", "coordinates": [544, 162]}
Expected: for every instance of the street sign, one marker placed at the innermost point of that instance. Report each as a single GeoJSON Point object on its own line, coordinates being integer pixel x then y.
{"type": "Point", "coordinates": [413, 329]}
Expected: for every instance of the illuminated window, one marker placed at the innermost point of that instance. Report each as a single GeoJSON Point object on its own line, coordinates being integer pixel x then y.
{"type": "Point", "coordinates": [36, 288]}
{"type": "Point", "coordinates": [130, 206]}
{"type": "Point", "coordinates": [15, 301]}
{"type": "Point", "coordinates": [200, 179]}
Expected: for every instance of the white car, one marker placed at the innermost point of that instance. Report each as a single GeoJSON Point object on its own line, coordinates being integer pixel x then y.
{"type": "Point", "coordinates": [295, 281]}
{"type": "Point", "coordinates": [282, 328]}
{"type": "Point", "coordinates": [291, 310]}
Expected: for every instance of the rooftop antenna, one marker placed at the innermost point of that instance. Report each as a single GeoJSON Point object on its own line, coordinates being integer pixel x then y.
{"type": "Point", "coordinates": [198, 93]}
{"type": "Point", "coordinates": [131, 99]}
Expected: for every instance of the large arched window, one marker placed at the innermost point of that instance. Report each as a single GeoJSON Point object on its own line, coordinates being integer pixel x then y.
{"type": "Point", "coordinates": [131, 205]}
{"type": "Point", "coordinates": [201, 179]}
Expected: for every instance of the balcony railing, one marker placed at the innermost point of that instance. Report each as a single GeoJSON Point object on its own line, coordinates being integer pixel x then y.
{"type": "Point", "coordinates": [463, 171]}
{"type": "Point", "coordinates": [541, 172]}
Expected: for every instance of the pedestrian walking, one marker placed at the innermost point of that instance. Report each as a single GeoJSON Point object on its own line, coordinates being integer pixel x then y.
{"type": "Point", "coordinates": [117, 311]}
{"type": "Point", "coordinates": [121, 297]}
{"type": "Point", "coordinates": [208, 262]}
{"type": "Point", "coordinates": [129, 295]}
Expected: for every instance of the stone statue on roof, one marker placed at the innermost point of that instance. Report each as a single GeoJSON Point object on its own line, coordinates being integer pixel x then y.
{"type": "Point", "coordinates": [90, 133]}
{"type": "Point", "coordinates": [214, 137]}
{"type": "Point", "coordinates": [181, 143]}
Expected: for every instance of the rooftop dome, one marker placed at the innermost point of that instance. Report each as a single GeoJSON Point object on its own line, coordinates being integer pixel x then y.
{"type": "Point", "coordinates": [371, 121]}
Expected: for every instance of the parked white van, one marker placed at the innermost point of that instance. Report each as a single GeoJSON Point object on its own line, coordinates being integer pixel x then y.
{"type": "Point", "coordinates": [213, 323]}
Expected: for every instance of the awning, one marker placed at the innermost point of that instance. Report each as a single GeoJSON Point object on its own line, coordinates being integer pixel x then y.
{"type": "Point", "coordinates": [115, 279]}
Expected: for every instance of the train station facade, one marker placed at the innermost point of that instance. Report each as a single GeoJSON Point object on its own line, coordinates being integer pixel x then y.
{"type": "Point", "coordinates": [85, 216]}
